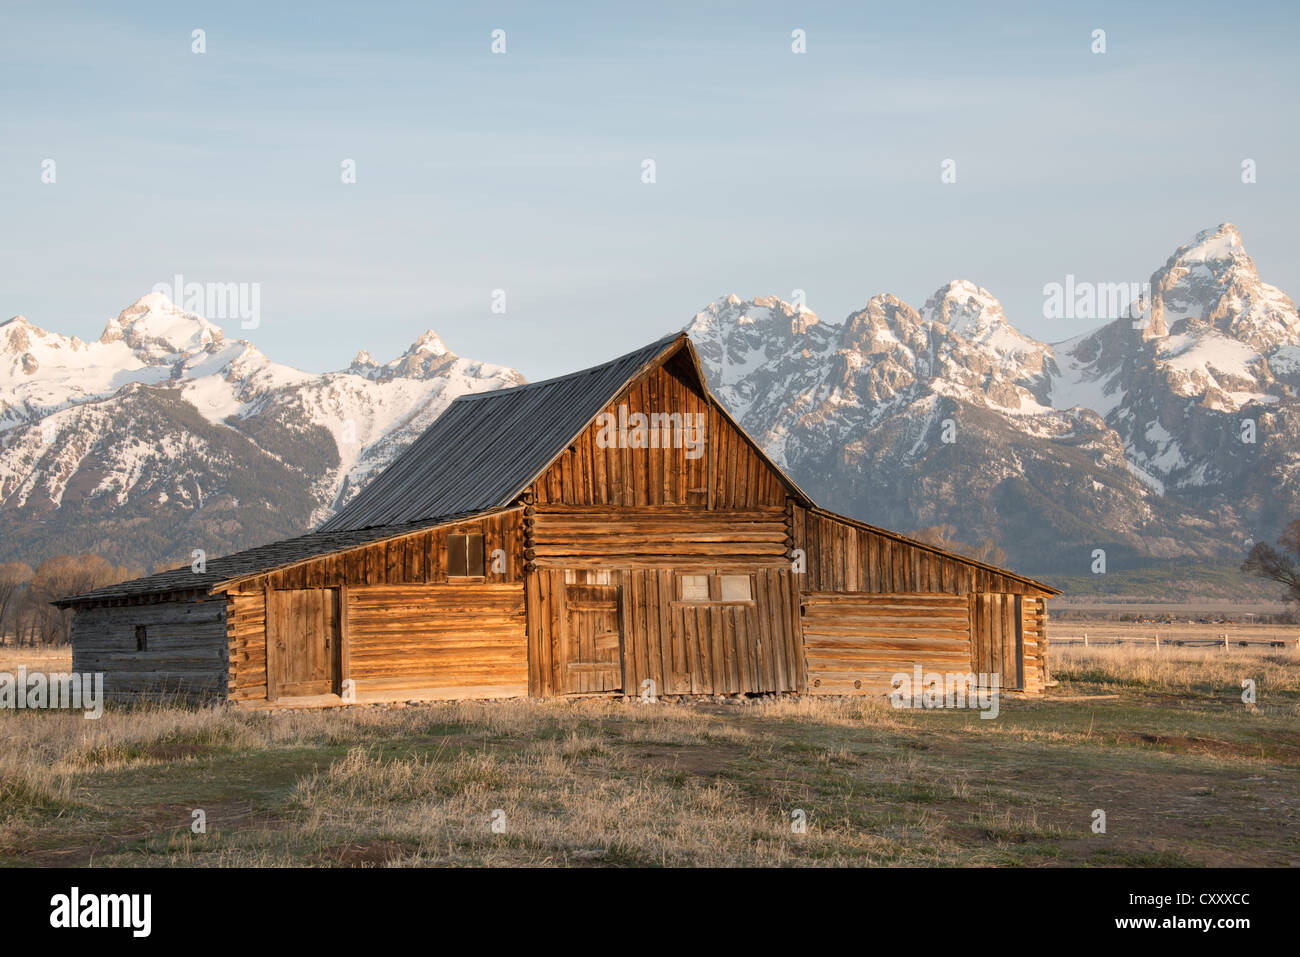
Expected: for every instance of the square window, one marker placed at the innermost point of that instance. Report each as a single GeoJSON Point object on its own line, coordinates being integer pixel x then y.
{"type": "Point", "coordinates": [736, 588]}
{"type": "Point", "coordinates": [695, 588]}
{"type": "Point", "coordinates": [465, 556]}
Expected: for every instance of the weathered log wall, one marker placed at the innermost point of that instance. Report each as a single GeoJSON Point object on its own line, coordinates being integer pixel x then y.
{"type": "Point", "coordinates": [999, 645]}
{"type": "Point", "coordinates": [414, 568]}
{"type": "Point", "coordinates": [857, 642]}
{"type": "Point", "coordinates": [669, 537]}
{"type": "Point", "coordinates": [185, 657]}
{"type": "Point", "coordinates": [683, 647]}
{"type": "Point", "coordinates": [449, 640]}
{"type": "Point", "coordinates": [1002, 612]}
{"type": "Point", "coordinates": [246, 634]}
{"type": "Point", "coordinates": [415, 559]}
{"type": "Point", "coordinates": [714, 647]}
{"type": "Point", "coordinates": [1033, 613]}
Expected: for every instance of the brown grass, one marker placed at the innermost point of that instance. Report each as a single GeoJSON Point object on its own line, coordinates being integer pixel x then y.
{"type": "Point", "coordinates": [1186, 772]}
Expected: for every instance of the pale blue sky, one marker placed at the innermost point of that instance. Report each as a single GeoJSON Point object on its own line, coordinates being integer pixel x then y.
{"type": "Point", "coordinates": [775, 171]}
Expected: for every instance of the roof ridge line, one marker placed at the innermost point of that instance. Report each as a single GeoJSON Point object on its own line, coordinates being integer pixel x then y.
{"type": "Point", "coordinates": [512, 389]}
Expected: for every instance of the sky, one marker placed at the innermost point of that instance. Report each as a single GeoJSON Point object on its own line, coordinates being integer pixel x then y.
{"type": "Point", "coordinates": [523, 171]}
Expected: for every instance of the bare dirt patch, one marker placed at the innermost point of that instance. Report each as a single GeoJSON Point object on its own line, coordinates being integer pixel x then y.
{"type": "Point", "coordinates": [371, 854]}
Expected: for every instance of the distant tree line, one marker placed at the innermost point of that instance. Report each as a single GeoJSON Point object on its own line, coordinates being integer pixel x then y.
{"type": "Point", "coordinates": [945, 537]}
{"type": "Point", "coordinates": [26, 615]}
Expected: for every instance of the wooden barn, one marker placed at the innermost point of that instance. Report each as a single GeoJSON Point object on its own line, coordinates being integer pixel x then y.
{"type": "Point", "coordinates": [582, 535]}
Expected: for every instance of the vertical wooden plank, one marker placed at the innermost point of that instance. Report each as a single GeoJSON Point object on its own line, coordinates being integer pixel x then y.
{"type": "Point", "coordinates": [1019, 649]}
{"type": "Point", "coordinates": [796, 656]}
{"type": "Point", "coordinates": [634, 639]}
{"type": "Point", "coordinates": [1012, 641]}
{"type": "Point", "coordinates": [344, 659]}
{"type": "Point", "coordinates": [711, 440]}
{"type": "Point", "coordinates": [731, 497]}
{"type": "Point", "coordinates": [656, 603]}
{"type": "Point", "coordinates": [972, 602]}
{"type": "Point", "coordinates": [272, 653]}
{"type": "Point", "coordinates": [717, 643]}
{"type": "Point", "coordinates": [683, 618]}
{"type": "Point", "coordinates": [734, 625]}
{"type": "Point", "coordinates": [1040, 607]}
{"type": "Point", "coordinates": [533, 629]}
{"type": "Point", "coordinates": [669, 634]}
{"type": "Point", "coordinates": [993, 663]}
{"type": "Point", "coordinates": [555, 628]}
{"type": "Point", "coordinates": [767, 624]}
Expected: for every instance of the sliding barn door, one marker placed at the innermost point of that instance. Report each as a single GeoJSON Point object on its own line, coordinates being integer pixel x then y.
{"type": "Point", "coordinates": [593, 639]}
{"type": "Point", "coordinates": [302, 635]}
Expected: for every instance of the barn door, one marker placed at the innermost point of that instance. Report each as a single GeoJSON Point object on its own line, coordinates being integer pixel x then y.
{"type": "Point", "coordinates": [715, 620]}
{"type": "Point", "coordinates": [997, 639]}
{"type": "Point", "coordinates": [302, 636]}
{"type": "Point", "coordinates": [593, 639]}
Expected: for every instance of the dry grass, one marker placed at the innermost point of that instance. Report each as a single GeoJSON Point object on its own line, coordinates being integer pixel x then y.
{"type": "Point", "coordinates": [35, 659]}
{"type": "Point", "coordinates": [1187, 774]}
{"type": "Point", "coordinates": [1178, 670]}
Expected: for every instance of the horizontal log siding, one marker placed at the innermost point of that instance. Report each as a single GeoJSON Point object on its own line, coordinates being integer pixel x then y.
{"type": "Point", "coordinates": [461, 639]}
{"type": "Point", "coordinates": [856, 643]}
{"type": "Point", "coordinates": [416, 560]}
{"type": "Point", "coordinates": [246, 633]}
{"type": "Point", "coordinates": [659, 537]}
{"type": "Point", "coordinates": [186, 656]}
{"type": "Point", "coordinates": [1034, 622]}
{"type": "Point", "coordinates": [586, 474]}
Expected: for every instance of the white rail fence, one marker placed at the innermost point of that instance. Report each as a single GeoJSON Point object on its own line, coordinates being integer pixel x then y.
{"type": "Point", "coordinates": [1223, 641]}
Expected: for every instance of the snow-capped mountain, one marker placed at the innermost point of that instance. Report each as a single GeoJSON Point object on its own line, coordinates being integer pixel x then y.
{"type": "Point", "coordinates": [164, 436]}
{"type": "Point", "coordinates": [1171, 432]}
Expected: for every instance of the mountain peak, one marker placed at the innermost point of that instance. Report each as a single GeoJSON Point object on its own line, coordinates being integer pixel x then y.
{"type": "Point", "coordinates": [731, 311]}
{"type": "Point", "coordinates": [1211, 284]}
{"type": "Point", "coordinates": [157, 329]}
{"type": "Point", "coordinates": [429, 342]}
{"type": "Point", "coordinates": [1220, 244]}
{"type": "Point", "coordinates": [965, 308]}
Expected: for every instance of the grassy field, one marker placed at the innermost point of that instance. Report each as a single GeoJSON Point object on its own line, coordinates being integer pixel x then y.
{"type": "Point", "coordinates": [1185, 772]}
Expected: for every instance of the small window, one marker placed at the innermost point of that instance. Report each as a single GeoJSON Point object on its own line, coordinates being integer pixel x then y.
{"type": "Point", "coordinates": [736, 588]}
{"type": "Point", "coordinates": [465, 556]}
{"type": "Point", "coordinates": [141, 639]}
{"type": "Point", "coordinates": [695, 588]}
